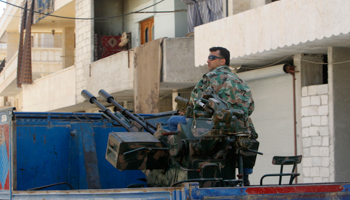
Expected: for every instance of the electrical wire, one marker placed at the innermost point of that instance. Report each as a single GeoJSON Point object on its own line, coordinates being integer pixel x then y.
{"type": "Point", "coordinates": [309, 61]}
{"type": "Point", "coordinates": [97, 18]}
{"type": "Point", "coordinates": [321, 63]}
{"type": "Point", "coordinates": [243, 67]}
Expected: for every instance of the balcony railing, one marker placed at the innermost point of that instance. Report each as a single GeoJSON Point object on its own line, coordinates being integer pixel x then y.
{"type": "Point", "coordinates": [46, 54]}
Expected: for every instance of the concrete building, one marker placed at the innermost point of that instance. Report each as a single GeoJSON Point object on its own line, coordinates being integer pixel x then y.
{"type": "Point", "coordinates": [65, 55]}
{"type": "Point", "coordinates": [312, 35]}
{"type": "Point", "coordinates": [262, 35]}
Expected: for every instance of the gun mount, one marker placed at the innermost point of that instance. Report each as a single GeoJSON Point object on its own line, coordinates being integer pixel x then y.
{"type": "Point", "coordinates": [207, 149]}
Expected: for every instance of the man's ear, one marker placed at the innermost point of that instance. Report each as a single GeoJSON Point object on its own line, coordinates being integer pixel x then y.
{"type": "Point", "coordinates": [222, 61]}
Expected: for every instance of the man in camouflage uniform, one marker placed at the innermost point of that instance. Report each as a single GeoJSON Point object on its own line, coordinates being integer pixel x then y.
{"type": "Point", "coordinates": [227, 85]}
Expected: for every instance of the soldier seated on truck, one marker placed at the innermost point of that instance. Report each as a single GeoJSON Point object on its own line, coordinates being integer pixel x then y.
{"type": "Point", "coordinates": [228, 86]}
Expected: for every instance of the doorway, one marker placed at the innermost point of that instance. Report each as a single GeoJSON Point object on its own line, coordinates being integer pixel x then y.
{"type": "Point", "coordinates": [147, 30]}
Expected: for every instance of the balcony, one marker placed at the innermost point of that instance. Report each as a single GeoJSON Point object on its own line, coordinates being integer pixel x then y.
{"type": "Point", "coordinates": [8, 77]}
{"type": "Point", "coordinates": [115, 73]}
{"type": "Point", "coordinates": [45, 61]}
{"type": "Point", "coordinates": [268, 33]}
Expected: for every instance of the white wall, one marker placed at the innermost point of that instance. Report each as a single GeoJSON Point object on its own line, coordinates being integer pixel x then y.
{"type": "Point", "coordinates": [315, 134]}
{"type": "Point", "coordinates": [273, 121]}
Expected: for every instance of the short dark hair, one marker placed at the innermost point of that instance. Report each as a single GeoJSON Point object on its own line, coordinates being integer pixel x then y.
{"type": "Point", "coordinates": [223, 52]}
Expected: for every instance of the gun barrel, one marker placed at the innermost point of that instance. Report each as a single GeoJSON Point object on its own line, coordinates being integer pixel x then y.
{"type": "Point", "coordinates": [124, 111]}
{"type": "Point", "coordinates": [92, 99]}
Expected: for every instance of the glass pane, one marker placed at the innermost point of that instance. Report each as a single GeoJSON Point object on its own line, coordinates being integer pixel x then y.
{"type": "Point", "coordinates": [146, 35]}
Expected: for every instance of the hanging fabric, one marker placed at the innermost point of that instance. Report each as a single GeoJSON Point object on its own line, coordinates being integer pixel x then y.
{"type": "Point", "coordinates": [43, 6]}
{"type": "Point", "coordinates": [107, 45]}
{"type": "Point", "coordinates": [202, 11]}
{"type": "Point", "coordinates": [24, 64]}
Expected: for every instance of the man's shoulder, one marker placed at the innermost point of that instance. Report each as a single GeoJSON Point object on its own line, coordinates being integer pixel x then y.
{"type": "Point", "coordinates": [218, 71]}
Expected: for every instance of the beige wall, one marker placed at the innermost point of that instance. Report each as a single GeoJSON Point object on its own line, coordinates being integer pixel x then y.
{"type": "Point", "coordinates": [179, 58]}
{"type": "Point", "coordinates": [51, 92]}
{"type": "Point", "coordinates": [12, 44]}
{"type": "Point", "coordinates": [18, 102]}
{"type": "Point", "coordinates": [59, 4]}
{"type": "Point", "coordinates": [68, 50]}
{"type": "Point", "coordinates": [113, 74]}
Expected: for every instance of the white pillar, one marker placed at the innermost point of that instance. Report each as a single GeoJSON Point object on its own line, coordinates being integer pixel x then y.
{"type": "Point", "coordinates": [84, 31]}
{"type": "Point", "coordinates": [339, 112]}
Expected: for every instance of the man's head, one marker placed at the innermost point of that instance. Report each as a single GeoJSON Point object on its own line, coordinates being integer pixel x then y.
{"type": "Point", "coordinates": [218, 56]}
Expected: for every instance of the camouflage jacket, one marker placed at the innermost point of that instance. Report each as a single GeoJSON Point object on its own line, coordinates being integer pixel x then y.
{"type": "Point", "coordinates": [228, 86]}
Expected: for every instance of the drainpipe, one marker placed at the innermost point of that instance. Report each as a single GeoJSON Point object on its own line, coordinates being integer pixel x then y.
{"type": "Point", "coordinates": [291, 70]}
{"type": "Point", "coordinates": [226, 8]}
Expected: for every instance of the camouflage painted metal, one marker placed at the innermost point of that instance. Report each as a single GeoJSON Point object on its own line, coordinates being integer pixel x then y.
{"type": "Point", "coordinates": [216, 140]}
{"type": "Point", "coordinates": [133, 150]}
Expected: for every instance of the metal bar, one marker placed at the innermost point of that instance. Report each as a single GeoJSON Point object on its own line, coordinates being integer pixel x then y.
{"type": "Point", "coordinates": [88, 96]}
{"type": "Point", "coordinates": [110, 99]}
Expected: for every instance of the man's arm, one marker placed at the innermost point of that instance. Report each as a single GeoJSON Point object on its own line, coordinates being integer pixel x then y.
{"type": "Point", "coordinates": [197, 91]}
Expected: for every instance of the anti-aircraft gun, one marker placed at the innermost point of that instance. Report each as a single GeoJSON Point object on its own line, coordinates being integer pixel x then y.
{"type": "Point", "coordinates": [207, 149]}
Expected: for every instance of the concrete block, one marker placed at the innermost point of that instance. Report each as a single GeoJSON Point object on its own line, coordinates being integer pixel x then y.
{"type": "Point", "coordinates": [325, 180]}
{"type": "Point", "coordinates": [306, 153]}
{"type": "Point", "coordinates": [307, 162]}
{"type": "Point", "coordinates": [305, 132]}
{"type": "Point", "coordinates": [305, 101]}
{"type": "Point", "coordinates": [315, 100]}
{"type": "Point", "coordinates": [307, 180]}
{"type": "Point", "coordinates": [315, 120]}
{"type": "Point", "coordinates": [325, 161]}
{"type": "Point", "coordinates": [324, 130]}
{"type": "Point", "coordinates": [325, 141]}
{"type": "Point", "coordinates": [323, 110]}
{"type": "Point", "coordinates": [304, 91]}
{"type": "Point", "coordinates": [324, 151]}
{"type": "Point", "coordinates": [314, 131]}
{"type": "Point", "coordinates": [305, 111]}
{"type": "Point", "coordinates": [306, 171]}
{"type": "Point", "coordinates": [324, 120]}
{"type": "Point", "coordinates": [324, 172]}
{"type": "Point", "coordinates": [306, 142]}
{"type": "Point", "coordinates": [316, 141]}
{"type": "Point", "coordinates": [313, 110]}
{"type": "Point", "coordinates": [322, 89]}
{"type": "Point", "coordinates": [315, 171]}
{"type": "Point", "coordinates": [317, 179]}
{"type": "Point", "coordinates": [306, 121]}
{"type": "Point", "coordinates": [324, 99]}
{"type": "Point", "coordinates": [312, 90]}
{"type": "Point", "coordinates": [314, 151]}
{"type": "Point", "coordinates": [316, 161]}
